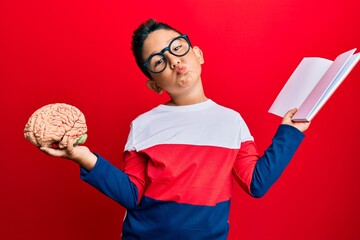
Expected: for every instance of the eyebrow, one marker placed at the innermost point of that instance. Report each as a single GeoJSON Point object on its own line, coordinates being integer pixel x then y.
{"type": "Point", "coordinates": [167, 44]}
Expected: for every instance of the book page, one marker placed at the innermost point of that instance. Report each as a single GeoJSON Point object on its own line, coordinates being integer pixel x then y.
{"type": "Point", "coordinates": [300, 84]}
{"type": "Point", "coordinates": [320, 89]}
{"type": "Point", "coordinates": [336, 83]}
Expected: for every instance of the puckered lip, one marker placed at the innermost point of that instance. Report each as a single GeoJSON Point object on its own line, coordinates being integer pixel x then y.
{"type": "Point", "coordinates": [180, 69]}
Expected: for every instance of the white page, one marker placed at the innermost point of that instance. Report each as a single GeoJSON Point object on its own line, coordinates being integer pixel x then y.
{"type": "Point", "coordinates": [320, 89]}
{"type": "Point", "coordinates": [300, 84]}
{"type": "Point", "coordinates": [354, 59]}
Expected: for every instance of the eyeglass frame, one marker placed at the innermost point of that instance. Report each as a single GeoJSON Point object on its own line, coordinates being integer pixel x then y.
{"type": "Point", "coordinates": [146, 63]}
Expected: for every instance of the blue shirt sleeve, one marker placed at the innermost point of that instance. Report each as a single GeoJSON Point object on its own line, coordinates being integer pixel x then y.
{"type": "Point", "coordinates": [111, 181]}
{"type": "Point", "coordinates": [275, 159]}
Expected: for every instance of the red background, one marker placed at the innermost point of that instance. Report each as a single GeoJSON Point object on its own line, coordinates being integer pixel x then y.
{"type": "Point", "coordinates": [78, 52]}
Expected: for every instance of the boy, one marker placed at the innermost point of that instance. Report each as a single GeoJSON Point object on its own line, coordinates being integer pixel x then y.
{"type": "Point", "coordinates": [181, 156]}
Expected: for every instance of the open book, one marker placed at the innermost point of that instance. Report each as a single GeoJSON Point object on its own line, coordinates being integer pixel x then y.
{"type": "Point", "coordinates": [311, 85]}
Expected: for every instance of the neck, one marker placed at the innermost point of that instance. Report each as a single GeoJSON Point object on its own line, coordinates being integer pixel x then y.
{"type": "Point", "coordinates": [192, 95]}
{"type": "Point", "coordinates": [186, 101]}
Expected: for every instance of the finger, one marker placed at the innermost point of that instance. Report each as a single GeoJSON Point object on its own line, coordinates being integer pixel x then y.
{"type": "Point", "coordinates": [293, 111]}
{"type": "Point", "coordinates": [290, 113]}
{"type": "Point", "coordinates": [70, 146]}
{"type": "Point", "coordinates": [63, 142]}
{"type": "Point", "coordinates": [51, 151]}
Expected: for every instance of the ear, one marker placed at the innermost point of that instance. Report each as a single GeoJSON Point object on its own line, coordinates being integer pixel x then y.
{"type": "Point", "coordinates": [199, 54]}
{"type": "Point", "coordinates": [151, 84]}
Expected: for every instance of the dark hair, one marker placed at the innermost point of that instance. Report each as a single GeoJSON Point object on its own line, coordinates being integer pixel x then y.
{"type": "Point", "coordinates": [139, 36]}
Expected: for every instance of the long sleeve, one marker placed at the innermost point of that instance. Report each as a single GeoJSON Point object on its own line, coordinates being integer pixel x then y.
{"type": "Point", "coordinates": [115, 183]}
{"type": "Point", "coordinates": [257, 174]}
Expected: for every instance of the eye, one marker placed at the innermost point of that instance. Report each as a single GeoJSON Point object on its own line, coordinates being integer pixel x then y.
{"type": "Point", "coordinates": [159, 62]}
{"type": "Point", "coordinates": [177, 48]}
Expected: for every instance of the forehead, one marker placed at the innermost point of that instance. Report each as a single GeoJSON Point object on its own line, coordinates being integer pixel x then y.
{"type": "Point", "coordinates": [157, 40]}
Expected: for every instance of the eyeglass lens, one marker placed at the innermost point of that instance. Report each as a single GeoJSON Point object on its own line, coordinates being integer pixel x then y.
{"type": "Point", "coordinates": [178, 47]}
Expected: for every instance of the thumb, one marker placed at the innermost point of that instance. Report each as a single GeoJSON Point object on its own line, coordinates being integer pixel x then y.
{"type": "Point", "coordinates": [288, 116]}
{"type": "Point", "coordinates": [70, 146]}
{"type": "Point", "coordinates": [290, 113]}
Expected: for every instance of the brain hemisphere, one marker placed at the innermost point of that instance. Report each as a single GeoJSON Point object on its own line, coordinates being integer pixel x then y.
{"type": "Point", "coordinates": [54, 123]}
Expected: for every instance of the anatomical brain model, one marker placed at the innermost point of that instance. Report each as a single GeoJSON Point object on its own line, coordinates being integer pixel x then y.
{"type": "Point", "coordinates": [52, 125]}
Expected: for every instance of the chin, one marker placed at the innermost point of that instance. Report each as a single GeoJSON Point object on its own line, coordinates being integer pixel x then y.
{"type": "Point", "coordinates": [185, 82]}
{"type": "Point", "coordinates": [186, 79]}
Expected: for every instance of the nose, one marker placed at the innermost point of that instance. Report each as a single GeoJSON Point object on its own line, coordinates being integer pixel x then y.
{"type": "Point", "coordinates": [173, 60]}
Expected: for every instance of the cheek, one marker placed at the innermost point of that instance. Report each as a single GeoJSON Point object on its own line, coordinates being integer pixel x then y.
{"type": "Point", "coordinates": [195, 64]}
{"type": "Point", "coordinates": [194, 60]}
{"type": "Point", "coordinates": [163, 77]}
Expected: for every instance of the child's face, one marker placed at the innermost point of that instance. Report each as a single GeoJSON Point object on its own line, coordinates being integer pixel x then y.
{"type": "Point", "coordinates": [181, 73]}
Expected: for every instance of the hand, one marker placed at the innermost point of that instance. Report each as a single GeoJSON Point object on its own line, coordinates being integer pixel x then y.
{"type": "Point", "coordinates": [79, 154]}
{"type": "Point", "coordinates": [301, 126]}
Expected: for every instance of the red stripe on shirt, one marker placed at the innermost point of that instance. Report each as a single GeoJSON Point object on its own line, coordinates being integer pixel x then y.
{"type": "Point", "coordinates": [198, 175]}
{"type": "Point", "coordinates": [245, 164]}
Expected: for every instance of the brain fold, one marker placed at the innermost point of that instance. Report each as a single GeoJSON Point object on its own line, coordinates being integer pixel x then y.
{"type": "Point", "coordinates": [52, 125]}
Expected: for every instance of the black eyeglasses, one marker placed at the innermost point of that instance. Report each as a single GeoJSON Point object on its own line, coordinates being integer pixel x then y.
{"type": "Point", "coordinates": [157, 62]}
